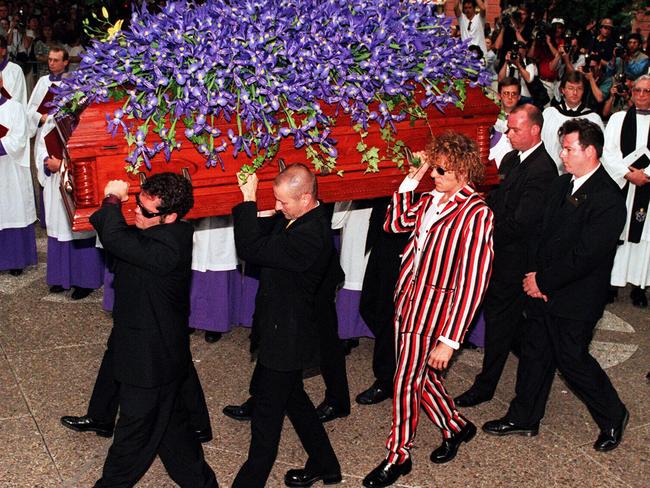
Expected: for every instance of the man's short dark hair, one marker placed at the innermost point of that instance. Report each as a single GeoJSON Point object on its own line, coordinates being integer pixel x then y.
{"type": "Point", "coordinates": [509, 81]}
{"type": "Point", "coordinates": [575, 76]}
{"type": "Point", "coordinates": [174, 191]}
{"type": "Point", "coordinates": [589, 134]}
{"type": "Point", "coordinates": [637, 36]}
{"type": "Point", "coordinates": [60, 49]}
{"type": "Point", "coordinates": [473, 2]}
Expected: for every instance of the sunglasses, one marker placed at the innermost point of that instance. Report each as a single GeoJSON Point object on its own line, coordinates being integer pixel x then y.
{"type": "Point", "coordinates": [146, 213]}
{"type": "Point", "coordinates": [608, 27]}
{"type": "Point", "coordinates": [645, 91]}
{"type": "Point", "coordinates": [441, 171]}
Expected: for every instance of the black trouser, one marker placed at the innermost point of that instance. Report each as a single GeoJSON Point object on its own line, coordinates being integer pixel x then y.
{"type": "Point", "coordinates": [274, 393]}
{"type": "Point", "coordinates": [154, 421]}
{"type": "Point", "coordinates": [551, 342]}
{"type": "Point", "coordinates": [377, 307]}
{"type": "Point", "coordinates": [503, 310]}
{"type": "Point", "coordinates": [332, 359]}
{"type": "Point", "coordinates": [103, 403]}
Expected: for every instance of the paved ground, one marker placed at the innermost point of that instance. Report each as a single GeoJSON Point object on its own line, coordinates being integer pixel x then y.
{"type": "Point", "coordinates": [50, 348]}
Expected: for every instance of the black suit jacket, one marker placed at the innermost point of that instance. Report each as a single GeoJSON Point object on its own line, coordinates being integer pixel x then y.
{"type": "Point", "coordinates": [578, 245]}
{"type": "Point", "coordinates": [152, 292]}
{"type": "Point", "coordinates": [293, 262]}
{"type": "Point", "coordinates": [518, 206]}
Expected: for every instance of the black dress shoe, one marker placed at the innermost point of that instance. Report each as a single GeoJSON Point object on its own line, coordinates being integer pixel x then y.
{"type": "Point", "coordinates": [327, 412]}
{"type": "Point", "coordinates": [78, 292]}
{"type": "Point", "coordinates": [386, 474]}
{"type": "Point", "coordinates": [506, 427]}
{"type": "Point", "coordinates": [243, 412]}
{"type": "Point", "coordinates": [639, 298]}
{"type": "Point", "coordinates": [87, 424]}
{"type": "Point", "coordinates": [15, 272]}
{"type": "Point", "coordinates": [203, 435]}
{"type": "Point", "coordinates": [306, 477]}
{"type": "Point", "coordinates": [56, 289]}
{"type": "Point", "coordinates": [447, 451]}
{"type": "Point", "coordinates": [375, 394]}
{"type": "Point", "coordinates": [211, 336]}
{"type": "Point", "coordinates": [610, 439]}
{"type": "Point", "coordinates": [470, 398]}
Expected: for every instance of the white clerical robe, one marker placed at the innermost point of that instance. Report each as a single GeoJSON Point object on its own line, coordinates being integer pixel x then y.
{"type": "Point", "coordinates": [632, 262]}
{"type": "Point", "coordinates": [214, 245]}
{"type": "Point", "coordinates": [13, 80]}
{"type": "Point", "coordinates": [553, 120]}
{"type": "Point", "coordinates": [502, 146]}
{"type": "Point", "coordinates": [17, 208]}
{"type": "Point", "coordinates": [58, 222]}
{"type": "Point", "coordinates": [34, 117]}
{"type": "Point", "coordinates": [353, 220]}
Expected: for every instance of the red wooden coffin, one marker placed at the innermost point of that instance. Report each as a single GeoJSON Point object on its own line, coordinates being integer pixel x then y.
{"type": "Point", "coordinates": [94, 158]}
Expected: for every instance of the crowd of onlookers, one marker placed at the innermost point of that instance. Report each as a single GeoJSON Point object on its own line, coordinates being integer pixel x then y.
{"type": "Point", "coordinates": [539, 49]}
{"type": "Point", "coordinates": [31, 28]}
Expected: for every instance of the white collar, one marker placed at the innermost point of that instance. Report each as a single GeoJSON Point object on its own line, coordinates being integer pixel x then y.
{"type": "Point", "coordinates": [528, 152]}
{"type": "Point", "coordinates": [578, 182]}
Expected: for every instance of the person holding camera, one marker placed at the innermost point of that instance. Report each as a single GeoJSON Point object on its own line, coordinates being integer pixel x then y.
{"type": "Point", "coordinates": [516, 26]}
{"type": "Point", "coordinates": [546, 50]}
{"type": "Point", "coordinates": [619, 96]}
{"type": "Point", "coordinates": [518, 66]}
{"type": "Point", "coordinates": [598, 83]}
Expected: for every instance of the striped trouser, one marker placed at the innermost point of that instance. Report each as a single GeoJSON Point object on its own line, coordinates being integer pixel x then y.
{"type": "Point", "coordinates": [415, 385]}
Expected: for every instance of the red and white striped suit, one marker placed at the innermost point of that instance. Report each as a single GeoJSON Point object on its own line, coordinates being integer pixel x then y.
{"type": "Point", "coordinates": [444, 274]}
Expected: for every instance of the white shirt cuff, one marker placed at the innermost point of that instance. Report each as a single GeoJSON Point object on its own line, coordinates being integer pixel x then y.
{"type": "Point", "coordinates": [449, 342]}
{"type": "Point", "coordinates": [409, 184]}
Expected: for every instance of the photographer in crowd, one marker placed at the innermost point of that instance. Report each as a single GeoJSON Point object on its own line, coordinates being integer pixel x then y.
{"type": "Point", "coordinates": [518, 66]}
{"type": "Point", "coordinates": [516, 26]}
{"type": "Point", "coordinates": [545, 50]}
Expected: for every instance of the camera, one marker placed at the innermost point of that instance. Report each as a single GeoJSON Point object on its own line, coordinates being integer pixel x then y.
{"type": "Point", "coordinates": [510, 14]}
{"type": "Point", "coordinates": [586, 68]}
{"type": "Point", "coordinates": [620, 85]}
{"type": "Point", "coordinates": [540, 30]}
{"type": "Point", "coordinates": [619, 49]}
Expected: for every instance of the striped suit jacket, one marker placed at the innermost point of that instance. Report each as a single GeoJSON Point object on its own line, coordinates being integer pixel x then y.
{"type": "Point", "coordinates": [441, 296]}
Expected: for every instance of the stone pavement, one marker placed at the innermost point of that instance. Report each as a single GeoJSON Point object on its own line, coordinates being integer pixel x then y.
{"type": "Point", "coordinates": [50, 349]}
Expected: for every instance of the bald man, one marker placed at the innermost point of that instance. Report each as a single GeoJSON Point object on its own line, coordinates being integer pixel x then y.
{"type": "Point", "coordinates": [294, 251]}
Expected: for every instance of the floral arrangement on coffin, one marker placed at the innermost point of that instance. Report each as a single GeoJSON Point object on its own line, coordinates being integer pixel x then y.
{"type": "Point", "coordinates": [274, 69]}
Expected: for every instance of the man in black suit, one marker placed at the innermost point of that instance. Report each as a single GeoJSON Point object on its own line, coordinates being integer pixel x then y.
{"type": "Point", "coordinates": [568, 290]}
{"type": "Point", "coordinates": [293, 251]}
{"type": "Point", "coordinates": [149, 340]}
{"type": "Point", "coordinates": [518, 203]}
{"type": "Point", "coordinates": [104, 402]}
{"type": "Point", "coordinates": [377, 307]}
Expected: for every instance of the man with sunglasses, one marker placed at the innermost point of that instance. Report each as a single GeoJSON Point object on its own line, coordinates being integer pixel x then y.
{"type": "Point", "coordinates": [627, 143]}
{"type": "Point", "coordinates": [604, 42]}
{"type": "Point", "coordinates": [149, 341]}
{"type": "Point", "coordinates": [444, 272]}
